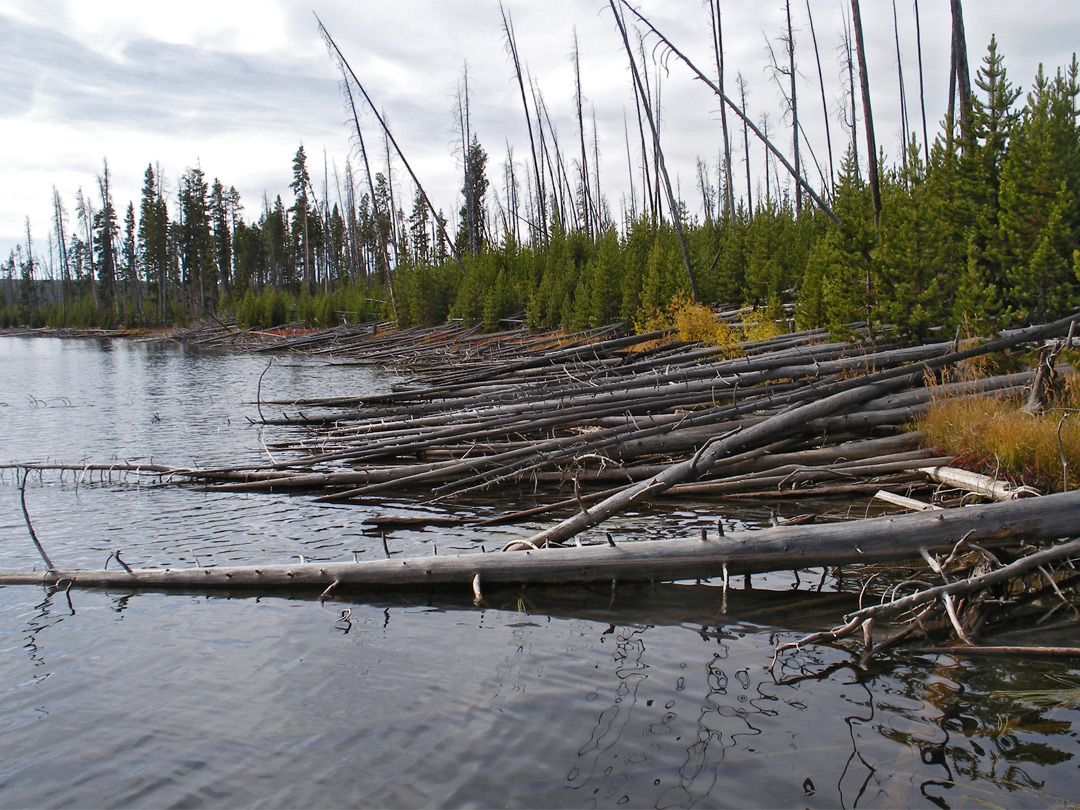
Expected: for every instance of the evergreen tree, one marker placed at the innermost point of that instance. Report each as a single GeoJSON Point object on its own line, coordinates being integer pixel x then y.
{"type": "Point", "coordinates": [472, 223]}
{"type": "Point", "coordinates": [195, 242]}
{"type": "Point", "coordinates": [154, 240]}
{"type": "Point", "coordinates": [419, 230]}
{"type": "Point", "coordinates": [303, 218]}
{"type": "Point", "coordinates": [222, 212]}
{"type": "Point", "coordinates": [1040, 215]}
{"type": "Point", "coordinates": [106, 237]}
{"type": "Point", "coordinates": [130, 269]}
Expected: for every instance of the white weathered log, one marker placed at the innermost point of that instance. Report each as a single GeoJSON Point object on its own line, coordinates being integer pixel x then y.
{"type": "Point", "coordinates": [781, 548]}
{"type": "Point", "coordinates": [977, 483]}
{"type": "Point", "coordinates": [904, 502]}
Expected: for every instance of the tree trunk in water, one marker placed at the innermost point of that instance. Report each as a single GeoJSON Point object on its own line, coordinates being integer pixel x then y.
{"type": "Point", "coordinates": [785, 547]}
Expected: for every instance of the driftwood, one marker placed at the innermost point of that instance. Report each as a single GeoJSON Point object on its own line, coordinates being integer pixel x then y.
{"type": "Point", "coordinates": [977, 483]}
{"type": "Point", "coordinates": [864, 619]}
{"type": "Point", "coordinates": [785, 547]}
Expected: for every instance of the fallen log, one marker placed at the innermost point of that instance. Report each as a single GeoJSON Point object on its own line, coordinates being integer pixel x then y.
{"type": "Point", "coordinates": [977, 483]}
{"type": "Point", "coordinates": [837, 399]}
{"type": "Point", "coordinates": [881, 539]}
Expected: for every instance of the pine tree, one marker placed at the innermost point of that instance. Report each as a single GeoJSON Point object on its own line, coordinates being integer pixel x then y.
{"type": "Point", "coordinates": [106, 237]}
{"type": "Point", "coordinates": [303, 219]}
{"type": "Point", "coordinates": [154, 240]}
{"type": "Point", "coordinates": [472, 225]}
{"type": "Point", "coordinates": [130, 268]}
{"type": "Point", "coordinates": [1040, 214]}
{"type": "Point", "coordinates": [222, 203]}
{"type": "Point", "coordinates": [195, 242]}
{"type": "Point", "coordinates": [993, 123]}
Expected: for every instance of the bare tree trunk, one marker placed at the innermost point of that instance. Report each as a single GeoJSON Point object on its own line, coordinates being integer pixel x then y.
{"type": "Point", "coordinates": [868, 116]}
{"type": "Point", "coordinates": [768, 183]}
{"type": "Point", "coordinates": [718, 43]}
{"type": "Point", "coordinates": [597, 197]}
{"type": "Point", "coordinates": [560, 179]}
{"type": "Point", "coordinates": [346, 68]}
{"type": "Point", "coordinates": [853, 125]}
{"type": "Point", "coordinates": [541, 203]}
{"type": "Point", "coordinates": [903, 94]}
{"type": "Point", "coordinates": [960, 67]}
{"type": "Point", "coordinates": [61, 247]}
{"type": "Point", "coordinates": [922, 87]}
{"type": "Point", "coordinates": [794, 105]}
{"type": "Point", "coordinates": [824, 103]}
{"type": "Point", "coordinates": [882, 539]}
{"type": "Point", "coordinates": [672, 203]}
{"type": "Point", "coordinates": [376, 215]}
{"type": "Point", "coordinates": [738, 111]}
{"type": "Point", "coordinates": [630, 169]}
{"type": "Point", "coordinates": [746, 145]}
{"type": "Point", "coordinates": [647, 202]}
{"type": "Point", "coordinates": [586, 201]}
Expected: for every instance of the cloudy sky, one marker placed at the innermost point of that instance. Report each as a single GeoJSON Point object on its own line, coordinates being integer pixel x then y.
{"type": "Point", "coordinates": [235, 86]}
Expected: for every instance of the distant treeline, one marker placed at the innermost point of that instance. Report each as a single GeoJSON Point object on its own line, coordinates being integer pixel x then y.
{"type": "Point", "coordinates": [980, 226]}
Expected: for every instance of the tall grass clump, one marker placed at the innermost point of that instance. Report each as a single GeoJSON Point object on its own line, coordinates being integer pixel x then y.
{"type": "Point", "coordinates": [994, 436]}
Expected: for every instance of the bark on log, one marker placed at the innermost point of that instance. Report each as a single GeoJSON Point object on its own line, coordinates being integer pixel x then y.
{"type": "Point", "coordinates": [781, 548]}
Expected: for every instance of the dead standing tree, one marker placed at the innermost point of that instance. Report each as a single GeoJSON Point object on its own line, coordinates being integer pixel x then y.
{"type": "Point", "coordinates": [868, 117]}
{"type": "Point", "coordinates": [960, 78]}
{"type": "Point", "coordinates": [718, 44]}
{"type": "Point", "coordinates": [737, 110]}
{"type": "Point", "coordinates": [824, 103]}
{"type": "Point", "coordinates": [347, 73]}
{"type": "Point", "coordinates": [541, 228]}
{"type": "Point", "coordinates": [672, 204]}
{"type": "Point", "coordinates": [376, 213]}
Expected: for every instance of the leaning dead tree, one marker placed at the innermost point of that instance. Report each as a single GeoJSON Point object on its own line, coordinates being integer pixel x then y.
{"type": "Point", "coordinates": [868, 116]}
{"type": "Point", "coordinates": [347, 73]}
{"type": "Point", "coordinates": [739, 111]}
{"type": "Point", "coordinates": [541, 203]}
{"type": "Point", "coordinates": [673, 206]}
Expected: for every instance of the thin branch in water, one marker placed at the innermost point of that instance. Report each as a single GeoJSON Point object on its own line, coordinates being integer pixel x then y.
{"type": "Point", "coordinates": [26, 515]}
{"type": "Point", "coordinates": [258, 392]}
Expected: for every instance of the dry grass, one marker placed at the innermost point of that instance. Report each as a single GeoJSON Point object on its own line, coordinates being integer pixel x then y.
{"type": "Point", "coordinates": [994, 436]}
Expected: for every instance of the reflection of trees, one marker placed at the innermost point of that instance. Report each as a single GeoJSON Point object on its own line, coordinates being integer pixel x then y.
{"type": "Point", "coordinates": [44, 617]}
{"type": "Point", "coordinates": [632, 737]}
{"type": "Point", "coordinates": [988, 739]}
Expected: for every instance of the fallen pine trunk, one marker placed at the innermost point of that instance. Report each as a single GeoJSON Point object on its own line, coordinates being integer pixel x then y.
{"type": "Point", "coordinates": [882, 539]}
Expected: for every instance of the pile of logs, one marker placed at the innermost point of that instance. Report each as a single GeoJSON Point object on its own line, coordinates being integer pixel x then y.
{"type": "Point", "coordinates": [592, 423]}
{"type": "Point", "coordinates": [576, 418]}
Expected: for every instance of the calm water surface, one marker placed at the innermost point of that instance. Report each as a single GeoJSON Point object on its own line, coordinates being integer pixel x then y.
{"type": "Point", "coordinates": [554, 698]}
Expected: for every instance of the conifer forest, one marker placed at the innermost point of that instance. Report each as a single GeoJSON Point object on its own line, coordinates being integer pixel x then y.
{"type": "Point", "coordinates": [976, 223]}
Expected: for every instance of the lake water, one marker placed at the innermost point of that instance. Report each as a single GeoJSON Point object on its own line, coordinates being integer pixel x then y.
{"type": "Point", "coordinates": [558, 697]}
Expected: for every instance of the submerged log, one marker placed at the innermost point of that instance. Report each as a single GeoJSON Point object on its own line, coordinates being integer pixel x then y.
{"type": "Point", "coordinates": [780, 548]}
